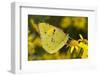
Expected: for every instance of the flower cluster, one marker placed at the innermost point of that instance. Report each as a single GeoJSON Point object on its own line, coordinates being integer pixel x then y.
{"type": "Point", "coordinates": [80, 47]}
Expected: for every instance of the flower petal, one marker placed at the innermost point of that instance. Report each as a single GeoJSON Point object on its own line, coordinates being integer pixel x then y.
{"type": "Point", "coordinates": [72, 48]}
{"type": "Point", "coordinates": [81, 36]}
{"type": "Point", "coordinates": [84, 46]}
{"type": "Point", "coordinates": [76, 47]}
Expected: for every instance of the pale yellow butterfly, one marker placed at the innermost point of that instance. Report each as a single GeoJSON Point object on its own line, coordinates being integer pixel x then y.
{"type": "Point", "coordinates": [52, 38]}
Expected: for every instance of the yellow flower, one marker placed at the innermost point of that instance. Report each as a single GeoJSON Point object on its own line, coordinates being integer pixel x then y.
{"type": "Point", "coordinates": [77, 45]}
{"type": "Point", "coordinates": [30, 38]}
{"type": "Point", "coordinates": [85, 49]}
{"type": "Point", "coordinates": [85, 41]}
{"type": "Point", "coordinates": [37, 42]}
{"type": "Point", "coordinates": [32, 43]}
{"type": "Point", "coordinates": [31, 48]}
{"type": "Point", "coordinates": [79, 22]}
{"type": "Point", "coordinates": [47, 56]}
{"type": "Point", "coordinates": [74, 45]}
{"type": "Point", "coordinates": [84, 45]}
{"type": "Point", "coordinates": [65, 22]}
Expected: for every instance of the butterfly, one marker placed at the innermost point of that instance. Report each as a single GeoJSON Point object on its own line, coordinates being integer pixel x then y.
{"type": "Point", "coordinates": [52, 38]}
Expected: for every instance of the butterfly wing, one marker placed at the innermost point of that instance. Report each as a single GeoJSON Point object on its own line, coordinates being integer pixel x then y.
{"type": "Point", "coordinates": [52, 38]}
